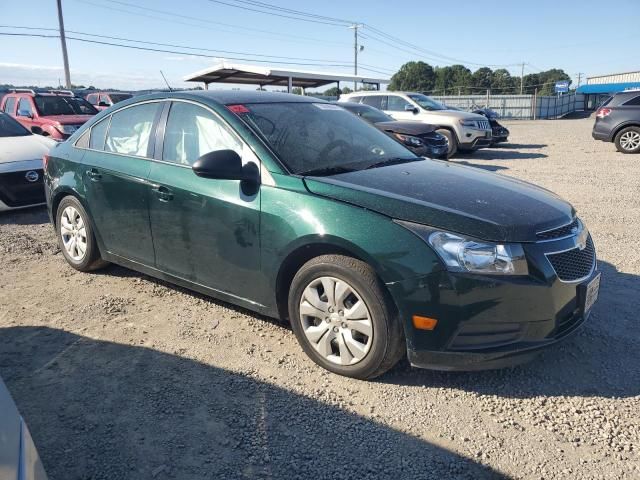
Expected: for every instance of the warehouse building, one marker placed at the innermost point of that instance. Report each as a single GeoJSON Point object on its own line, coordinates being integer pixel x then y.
{"type": "Point", "coordinates": [600, 87]}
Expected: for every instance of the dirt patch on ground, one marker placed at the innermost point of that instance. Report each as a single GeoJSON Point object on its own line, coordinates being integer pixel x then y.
{"type": "Point", "coordinates": [123, 377]}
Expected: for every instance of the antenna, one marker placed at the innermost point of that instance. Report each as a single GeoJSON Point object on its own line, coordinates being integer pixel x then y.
{"type": "Point", "coordinates": [165, 81]}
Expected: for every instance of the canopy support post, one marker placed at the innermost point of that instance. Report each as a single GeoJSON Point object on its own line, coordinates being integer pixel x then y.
{"type": "Point", "coordinates": [290, 85]}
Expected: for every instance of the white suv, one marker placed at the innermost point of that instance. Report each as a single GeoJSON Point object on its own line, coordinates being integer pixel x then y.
{"type": "Point", "coordinates": [465, 131]}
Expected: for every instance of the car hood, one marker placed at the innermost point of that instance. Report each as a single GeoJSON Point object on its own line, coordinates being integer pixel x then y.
{"type": "Point", "coordinates": [456, 198]}
{"type": "Point", "coordinates": [28, 147]}
{"type": "Point", "coordinates": [457, 114]}
{"type": "Point", "coordinates": [407, 128]}
{"type": "Point", "coordinates": [68, 119]}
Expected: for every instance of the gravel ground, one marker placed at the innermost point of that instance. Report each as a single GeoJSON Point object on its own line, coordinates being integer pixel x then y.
{"type": "Point", "coordinates": [123, 377]}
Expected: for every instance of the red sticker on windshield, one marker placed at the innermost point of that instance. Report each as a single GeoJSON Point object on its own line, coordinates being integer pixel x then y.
{"type": "Point", "coordinates": [238, 108]}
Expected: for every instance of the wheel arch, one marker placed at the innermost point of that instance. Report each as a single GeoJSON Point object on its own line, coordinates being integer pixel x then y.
{"type": "Point", "coordinates": [308, 249]}
{"type": "Point", "coordinates": [621, 127]}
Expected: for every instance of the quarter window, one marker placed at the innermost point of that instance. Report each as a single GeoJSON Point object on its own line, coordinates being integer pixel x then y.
{"type": "Point", "coordinates": [396, 104]}
{"type": "Point", "coordinates": [131, 129]}
{"type": "Point", "coordinates": [9, 106]}
{"type": "Point", "coordinates": [192, 131]}
{"type": "Point", "coordinates": [98, 133]}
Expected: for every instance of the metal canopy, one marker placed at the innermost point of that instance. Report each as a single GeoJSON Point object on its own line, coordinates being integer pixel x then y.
{"type": "Point", "coordinates": [242, 74]}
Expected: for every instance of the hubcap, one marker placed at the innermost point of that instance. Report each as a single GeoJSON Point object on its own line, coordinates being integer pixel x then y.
{"type": "Point", "coordinates": [336, 321]}
{"type": "Point", "coordinates": [73, 232]}
{"type": "Point", "coordinates": [630, 140]}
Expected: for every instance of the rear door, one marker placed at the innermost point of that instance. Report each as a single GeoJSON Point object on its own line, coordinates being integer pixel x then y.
{"type": "Point", "coordinates": [116, 173]}
{"type": "Point", "coordinates": [204, 230]}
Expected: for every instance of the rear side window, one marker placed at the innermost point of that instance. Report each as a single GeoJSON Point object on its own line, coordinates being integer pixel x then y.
{"type": "Point", "coordinates": [131, 129]}
{"type": "Point", "coordinates": [9, 106]}
{"type": "Point", "coordinates": [98, 134]}
{"type": "Point", "coordinates": [374, 101]}
{"type": "Point", "coordinates": [633, 101]}
{"type": "Point", "coordinates": [192, 131]}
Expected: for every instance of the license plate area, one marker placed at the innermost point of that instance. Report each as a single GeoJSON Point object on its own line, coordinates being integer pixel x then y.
{"type": "Point", "coordinates": [588, 293]}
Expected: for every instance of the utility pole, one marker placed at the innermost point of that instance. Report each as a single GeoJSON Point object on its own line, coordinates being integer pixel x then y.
{"type": "Point", "coordinates": [522, 79]}
{"type": "Point", "coordinates": [580, 77]}
{"type": "Point", "coordinates": [63, 41]}
{"type": "Point", "coordinates": [356, 48]}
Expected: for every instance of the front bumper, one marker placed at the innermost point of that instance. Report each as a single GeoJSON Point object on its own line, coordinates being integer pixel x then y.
{"type": "Point", "coordinates": [473, 139]}
{"type": "Point", "coordinates": [486, 321]}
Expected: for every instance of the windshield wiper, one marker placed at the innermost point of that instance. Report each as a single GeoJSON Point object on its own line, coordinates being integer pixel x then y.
{"type": "Point", "coordinates": [334, 170]}
{"type": "Point", "coordinates": [393, 161]}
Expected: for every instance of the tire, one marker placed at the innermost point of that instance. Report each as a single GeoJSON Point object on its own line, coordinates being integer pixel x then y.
{"type": "Point", "coordinates": [375, 344]}
{"type": "Point", "coordinates": [72, 221]}
{"type": "Point", "coordinates": [453, 141]}
{"type": "Point", "coordinates": [628, 140]}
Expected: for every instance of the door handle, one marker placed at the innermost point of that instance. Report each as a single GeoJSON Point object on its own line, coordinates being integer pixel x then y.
{"type": "Point", "coordinates": [94, 175]}
{"type": "Point", "coordinates": [163, 193]}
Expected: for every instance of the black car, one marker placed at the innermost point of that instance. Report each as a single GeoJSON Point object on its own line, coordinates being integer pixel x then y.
{"type": "Point", "coordinates": [499, 133]}
{"type": "Point", "coordinates": [422, 139]}
{"type": "Point", "coordinates": [618, 121]}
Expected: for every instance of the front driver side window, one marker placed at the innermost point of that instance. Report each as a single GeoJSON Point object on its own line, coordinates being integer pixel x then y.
{"type": "Point", "coordinates": [192, 131]}
{"type": "Point", "coordinates": [397, 104]}
{"type": "Point", "coordinates": [130, 130]}
{"type": "Point", "coordinates": [24, 106]}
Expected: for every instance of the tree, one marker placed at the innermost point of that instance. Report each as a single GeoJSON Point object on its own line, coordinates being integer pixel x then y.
{"type": "Point", "coordinates": [482, 79]}
{"type": "Point", "coordinates": [416, 76]}
{"type": "Point", "coordinates": [502, 83]}
{"type": "Point", "coordinates": [296, 90]}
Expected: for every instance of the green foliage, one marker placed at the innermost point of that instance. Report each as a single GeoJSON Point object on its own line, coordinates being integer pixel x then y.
{"type": "Point", "coordinates": [458, 79]}
{"type": "Point", "coordinates": [415, 76]}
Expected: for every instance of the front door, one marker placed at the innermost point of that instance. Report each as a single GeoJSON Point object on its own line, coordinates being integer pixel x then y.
{"type": "Point", "coordinates": [397, 108]}
{"type": "Point", "coordinates": [204, 230]}
{"type": "Point", "coordinates": [116, 171]}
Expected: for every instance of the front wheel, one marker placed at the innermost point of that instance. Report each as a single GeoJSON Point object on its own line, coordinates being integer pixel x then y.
{"type": "Point", "coordinates": [344, 319]}
{"type": "Point", "coordinates": [451, 138]}
{"type": "Point", "coordinates": [628, 140]}
{"type": "Point", "coordinates": [75, 236]}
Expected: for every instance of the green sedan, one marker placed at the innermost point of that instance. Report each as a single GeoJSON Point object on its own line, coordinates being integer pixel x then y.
{"type": "Point", "coordinates": [296, 209]}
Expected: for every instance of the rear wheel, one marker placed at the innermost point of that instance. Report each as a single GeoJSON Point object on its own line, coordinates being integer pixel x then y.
{"type": "Point", "coordinates": [451, 138]}
{"type": "Point", "coordinates": [628, 140]}
{"type": "Point", "coordinates": [343, 318]}
{"type": "Point", "coordinates": [75, 236]}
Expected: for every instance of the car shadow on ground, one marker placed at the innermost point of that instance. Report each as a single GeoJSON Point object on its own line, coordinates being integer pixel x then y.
{"type": "Point", "coordinates": [600, 360]}
{"type": "Point", "coordinates": [489, 168]}
{"type": "Point", "coordinates": [25, 216]}
{"type": "Point", "coordinates": [103, 410]}
{"type": "Point", "coordinates": [500, 153]}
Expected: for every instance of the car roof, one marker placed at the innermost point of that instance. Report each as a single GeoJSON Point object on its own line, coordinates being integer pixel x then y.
{"type": "Point", "coordinates": [229, 97]}
{"type": "Point", "coordinates": [354, 104]}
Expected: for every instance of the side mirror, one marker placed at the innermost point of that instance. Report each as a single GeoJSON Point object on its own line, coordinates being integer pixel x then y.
{"type": "Point", "coordinates": [36, 130]}
{"type": "Point", "coordinates": [25, 113]}
{"type": "Point", "coordinates": [103, 104]}
{"type": "Point", "coordinates": [226, 165]}
{"type": "Point", "coordinates": [410, 108]}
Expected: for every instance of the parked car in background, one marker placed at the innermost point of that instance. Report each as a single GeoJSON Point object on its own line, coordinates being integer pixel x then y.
{"type": "Point", "coordinates": [464, 131]}
{"type": "Point", "coordinates": [21, 174]}
{"type": "Point", "coordinates": [499, 133]}
{"type": "Point", "coordinates": [618, 121]}
{"type": "Point", "coordinates": [102, 100]}
{"type": "Point", "coordinates": [19, 459]}
{"type": "Point", "coordinates": [55, 114]}
{"type": "Point", "coordinates": [421, 138]}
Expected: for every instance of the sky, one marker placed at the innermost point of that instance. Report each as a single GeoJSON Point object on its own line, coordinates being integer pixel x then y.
{"type": "Point", "coordinates": [577, 36]}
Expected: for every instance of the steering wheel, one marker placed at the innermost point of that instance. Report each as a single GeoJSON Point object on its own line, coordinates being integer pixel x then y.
{"type": "Point", "coordinates": [333, 146]}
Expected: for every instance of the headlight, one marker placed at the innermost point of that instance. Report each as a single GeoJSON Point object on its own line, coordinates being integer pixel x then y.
{"type": "Point", "coordinates": [468, 123]}
{"type": "Point", "coordinates": [409, 140]}
{"type": "Point", "coordinates": [464, 254]}
{"type": "Point", "coordinates": [67, 129]}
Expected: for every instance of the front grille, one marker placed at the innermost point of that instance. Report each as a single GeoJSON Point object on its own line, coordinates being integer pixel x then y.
{"type": "Point", "coordinates": [17, 191]}
{"type": "Point", "coordinates": [564, 231]}
{"type": "Point", "coordinates": [483, 124]}
{"type": "Point", "coordinates": [574, 264]}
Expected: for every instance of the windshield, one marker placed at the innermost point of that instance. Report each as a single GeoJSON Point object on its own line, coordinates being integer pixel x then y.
{"type": "Point", "coordinates": [426, 102]}
{"type": "Point", "coordinates": [59, 105]}
{"type": "Point", "coordinates": [370, 114]}
{"type": "Point", "coordinates": [11, 128]}
{"type": "Point", "coordinates": [320, 138]}
{"type": "Point", "coordinates": [118, 97]}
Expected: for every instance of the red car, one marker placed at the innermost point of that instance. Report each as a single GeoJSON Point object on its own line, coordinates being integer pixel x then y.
{"type": "Point", "coordinates": [56, 114]}
{"type": "Point", "coordinates": [102, 100]}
